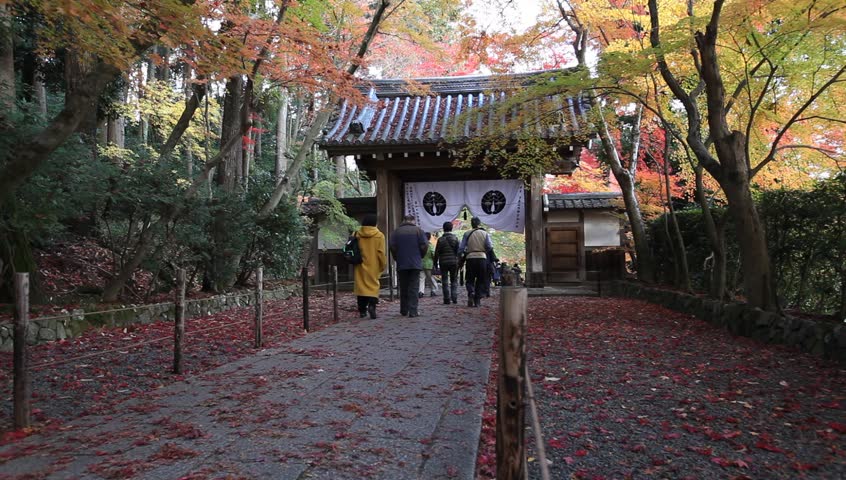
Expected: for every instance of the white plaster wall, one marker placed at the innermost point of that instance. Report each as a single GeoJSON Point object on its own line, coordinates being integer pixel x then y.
{"type": "Point", "coordinates": [559, 216]}
{"type": "Point", "coordinates": [602, 229]}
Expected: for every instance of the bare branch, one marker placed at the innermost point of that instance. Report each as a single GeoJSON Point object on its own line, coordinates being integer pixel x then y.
{"type": "Point", "coordinates": [820, 117]}
{"type": "Point", "coordinates": [798, 114]}
{"type": "Point", "coordinates": [754, 109]}
{"type": "Point", "coordinates": [694, 118]}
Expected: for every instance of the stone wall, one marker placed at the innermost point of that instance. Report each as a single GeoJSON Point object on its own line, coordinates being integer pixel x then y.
{"type": "Point", "coordinates": [824, 339]}
{"type": "Point", "coordinates": [46, 329]}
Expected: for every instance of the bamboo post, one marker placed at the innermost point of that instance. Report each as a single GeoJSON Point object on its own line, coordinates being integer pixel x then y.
{"type": "Point", "coordinates": [335, 293]}
{"type": "Point", "coordinates": [21, 394]}
{"type": "Point", "coordinates": [259, 305]}
{"type": "Point", "coordinates": [179, 321]}
{"type": "Point", "coordinates": [305, 298]}
{"type": "Point", "coordinates": [511, 385]}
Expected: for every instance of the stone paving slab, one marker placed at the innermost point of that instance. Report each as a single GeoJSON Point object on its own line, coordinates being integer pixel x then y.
{"type": "Point", "coordinates": [393, 398]}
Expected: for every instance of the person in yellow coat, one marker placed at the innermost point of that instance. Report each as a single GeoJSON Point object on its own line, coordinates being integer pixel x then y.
{"type": "Point", "coordinates": [371, 243]}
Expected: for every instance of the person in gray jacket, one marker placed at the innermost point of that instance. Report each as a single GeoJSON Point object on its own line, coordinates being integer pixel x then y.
{"type": "Point", "coordinates": [475, 246]}
{"type": "Point", "coordinates": [408, 246]}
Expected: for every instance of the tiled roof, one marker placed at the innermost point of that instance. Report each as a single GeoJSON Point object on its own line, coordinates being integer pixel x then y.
{"type": "Point", "coordinates": [566, 201]}
{"type": "Point", "coordinates": [429, 111]}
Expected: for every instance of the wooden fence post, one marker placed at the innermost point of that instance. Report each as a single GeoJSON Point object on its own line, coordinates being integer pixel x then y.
{"type": "Point", "coordinates": [335, 293]}
{"type": "Point", "coordinates": [305, 298]}
{"type": "Point", "coordinates": [21, 369]}
{"type": "Point", "coordinates": [179, 321]}
{"type": "Point", "coordinates": [259, 304]}
{"type": "Point", "coordinates": [511, 385]}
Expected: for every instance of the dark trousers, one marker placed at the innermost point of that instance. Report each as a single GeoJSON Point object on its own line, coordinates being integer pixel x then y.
{"type": "Point", "coordinates": [364, 302]}
{"type": "Point", "coordinates": [449, 282]}
{"type": "Point", "coordinates": [409, 284]}
{"type": "Point", "coordinates": [476, 278]}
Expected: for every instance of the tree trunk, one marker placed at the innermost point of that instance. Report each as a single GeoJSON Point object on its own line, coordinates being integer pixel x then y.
{"type": "Point", "coordinates": [102, 132]}
{"type": "Point", "coordinates": [717, 281]}
{"type": "Point", "coordinates": [224, 263]}
{"type": "Point", "coordinates": [340, 175]}
{"type": "Point", "coordinates": [643, 261]}
{"type": "Point", "coordinates": [683, 276]}
{"type": "Point", "coordinates": [189, 93]}
{"type": "Point", "coordinates": [323, 116]}
{"type": "Point", "coordinates": [15, 257]}
{"type": "Point", "coordinates": [146, 74]}
{"type": "Point", "coordinates": [77, 71]}
{"type": "Point", "coordinates": [40, 95]}
{"type": "Point", "coordinates": [249, 153]}
{"type": "Point", "coordinates": [7, 62]}
{"type": "Point", "coordinates": [227, 173]}
{"type": "Point", "coordinates": [162, 71]}
{"type": "Point", "coordinates": [842, 312]}
{"type": "Point", "coordinates": [754, 256]}
{"type": "Point", "coordinates": [643, 255]}
{"type": "Point", "coordinates": [114, 129]}
{"type": "Point", "coordinates": [258, 135]}
{"type": "Point", "coordinates": [281, 140]}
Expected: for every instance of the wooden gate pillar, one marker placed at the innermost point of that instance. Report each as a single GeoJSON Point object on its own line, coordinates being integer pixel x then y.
{"type": "Point", "coordinates": [535, 269]}
{"type": "Point", "coordinates": [383, 201]}
{"type": "Point", "coordinates": [389, 204]}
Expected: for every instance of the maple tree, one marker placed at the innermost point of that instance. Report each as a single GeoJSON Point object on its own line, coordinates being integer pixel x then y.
{"type": "Point", "coordinates": [176, 107]}
{"type": "Point", "coordinates": [777, 38]}
{"type": "Point", "coordinates": [782, 60]}
{"type": "Point", "coordinates": [620, 135]}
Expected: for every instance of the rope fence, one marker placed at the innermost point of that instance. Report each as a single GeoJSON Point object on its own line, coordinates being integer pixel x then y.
{"type": "Point", "coordinates": [536, 428]}
{"type": "Point", "coordinates": [22, 392]}
{"type": "Point", "coordinates": [148, 305]}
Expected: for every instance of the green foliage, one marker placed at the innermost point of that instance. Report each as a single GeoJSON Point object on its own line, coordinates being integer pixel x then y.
{"type": "Point", "coordinates": [806, 238]}
{"type": "Point", "coordinates": [519, 157]}
{"type": "Point", "coordinates": [333, 214]}
{"type": "Point", "coordinates": [64, 190]}
{"type": "Point", "coordinates": [162, 105]}
{"type": "Point", "coordinates": [510, 247]}
{"type": "Point", "coordinates": [806, 235]}
{"type": "Point", "coordinates": [278, 241]}
{"type": "Point", "coordinates": [696, 245]}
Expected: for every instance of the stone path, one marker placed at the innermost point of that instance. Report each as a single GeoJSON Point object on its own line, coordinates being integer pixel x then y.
{"type": "Point", "coordinates": [392, 398]}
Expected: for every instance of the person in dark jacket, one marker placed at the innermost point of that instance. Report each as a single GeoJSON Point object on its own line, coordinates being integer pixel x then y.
{"type": "Point", "coordinates": [446, 257]}
{"type": "Point", "coordinates": [408, 246]}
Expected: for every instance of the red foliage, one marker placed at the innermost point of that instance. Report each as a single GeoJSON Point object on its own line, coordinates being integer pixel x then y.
{"type": "Point", "coordinates": [627, 389]}
{"type": "Point", "coordinates": [97, 371]}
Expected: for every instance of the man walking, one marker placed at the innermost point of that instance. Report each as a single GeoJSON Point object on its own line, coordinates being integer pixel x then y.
{"type": "Point", "coordinates": [408, 246]}
{"type": "Point", "coordinates": [446, 256]}
{"type": "Point", "coordinates": [475, 245]}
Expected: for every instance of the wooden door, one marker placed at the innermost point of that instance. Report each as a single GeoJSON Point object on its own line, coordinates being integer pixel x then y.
{"type": "Point", "coordinates": [564, 254]}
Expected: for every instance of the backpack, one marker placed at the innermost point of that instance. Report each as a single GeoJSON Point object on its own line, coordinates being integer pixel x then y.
{"type": "Point", "coordinates": [351, 251]}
